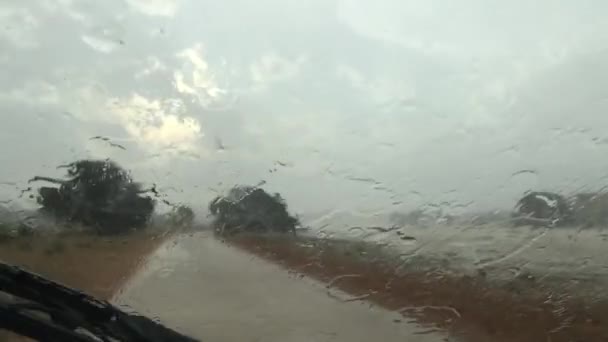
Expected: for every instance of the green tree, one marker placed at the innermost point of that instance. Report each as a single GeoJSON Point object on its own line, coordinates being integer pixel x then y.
{"type": "Point", "coordinates": [542, 208]}
{"type": "Point", "coordinates": [181, 216]}
{"type": "Point", "coordinates": [251, 209]}
{"type": "Point", "coordinates": [99, 194]}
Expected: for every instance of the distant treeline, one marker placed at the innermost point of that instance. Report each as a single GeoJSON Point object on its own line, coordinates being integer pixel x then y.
{"type": "Point", "coordinates": [552, 209]}
{"type": "Point", "coordinates": [535, 208]}
{"type": "Point", "coordinates": [102, 195]}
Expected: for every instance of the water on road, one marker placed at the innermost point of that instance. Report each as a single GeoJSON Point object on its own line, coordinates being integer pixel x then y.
{"type": "Point", "coordinates": [205, 288]}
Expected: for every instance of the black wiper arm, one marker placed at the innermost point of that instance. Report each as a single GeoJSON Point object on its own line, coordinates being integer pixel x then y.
{"type": "Point", "coordinates": [67, 310]}
{"type": "Point", "coordinates": [36, 328]}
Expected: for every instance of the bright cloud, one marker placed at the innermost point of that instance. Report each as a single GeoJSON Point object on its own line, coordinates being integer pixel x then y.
{"type": "Point", "coordinates": [160, 8]}
{"type": "Point", "coordinates": [99, 44]}
{"type": "Point", "coordinates": [195, 78]}
{"type": "Point", "coordinates": [158, 124]}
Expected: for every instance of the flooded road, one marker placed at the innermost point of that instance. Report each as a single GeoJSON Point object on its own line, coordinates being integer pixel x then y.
{"type": "Point", "coordinates": [215, 292]}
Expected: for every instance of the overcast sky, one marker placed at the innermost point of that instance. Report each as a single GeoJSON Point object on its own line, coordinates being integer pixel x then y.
{"type": "Point", "coordinates": [341, 105]}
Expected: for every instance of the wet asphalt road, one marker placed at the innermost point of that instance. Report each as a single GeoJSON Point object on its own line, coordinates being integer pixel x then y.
{"type": "Point", "coordinates": [215, 292]}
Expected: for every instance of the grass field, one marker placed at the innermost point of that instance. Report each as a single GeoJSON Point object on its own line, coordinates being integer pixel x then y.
{"type": "Point", "coordinates": [98, 265]}
{"type": "Point", "coordinates": [471, 307]}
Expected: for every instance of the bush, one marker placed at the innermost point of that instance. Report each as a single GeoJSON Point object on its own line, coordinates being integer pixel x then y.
{"type": "Point", "coordinates": [589, 209]}
{"type": "Point", "coordinates": [251, 209]}
{"type": "Point", "coordinates": [550, 209]}
{"type": "Point", "coordinates": [542, 209]}
{"type": "Point", "coordinates": [181, 216]}
{"type": "Point", "coordinates": [99, 194]}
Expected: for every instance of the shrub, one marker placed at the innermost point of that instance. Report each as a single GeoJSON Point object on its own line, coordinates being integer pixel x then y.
{"type": "Point", "coordinates": [251, 209]}
{"type": "Point", "coordinates": [181, 216]}
{"type": "Point", "coordinates": [589, 209]}
{"type": "Point", "coordinates": [542, 209]}
{"type": "Point", "coordinates": [99, 194]}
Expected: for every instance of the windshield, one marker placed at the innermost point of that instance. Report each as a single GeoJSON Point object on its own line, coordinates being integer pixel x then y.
{"type": "Point", "coordinates": [322, 170]}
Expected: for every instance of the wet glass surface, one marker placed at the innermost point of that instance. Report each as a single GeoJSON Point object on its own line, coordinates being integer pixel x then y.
{"type": "Point", "coordinates": [313, 170]}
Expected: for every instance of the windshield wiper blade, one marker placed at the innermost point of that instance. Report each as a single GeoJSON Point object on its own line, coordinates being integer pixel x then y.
{"type": "Point", "coordinates": [33, 327]}
{"type": "Point", "coordinates": [70, 315]}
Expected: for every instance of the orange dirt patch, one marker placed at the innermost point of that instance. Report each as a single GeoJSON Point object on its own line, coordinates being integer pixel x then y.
{"type": "Point", "coordinates": [97, 265]}
{"type": "Point", "coordinates": [467, 307]}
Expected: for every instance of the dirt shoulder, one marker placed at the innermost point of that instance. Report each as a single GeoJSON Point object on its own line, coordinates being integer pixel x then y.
{"type": "Point", "coordinates": [470, 307]}
{"type": "Point", "coordinates": [95, 264]}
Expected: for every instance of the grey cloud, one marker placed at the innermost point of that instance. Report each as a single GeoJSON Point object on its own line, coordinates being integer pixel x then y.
{"type": "Point", "coordinates": [418, 96]}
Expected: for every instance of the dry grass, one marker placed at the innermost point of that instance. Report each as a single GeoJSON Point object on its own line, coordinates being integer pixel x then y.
{"type": "Point", "coordinates": [98, 265]}
{"type": "Point", "coordinates": [469, 307]}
